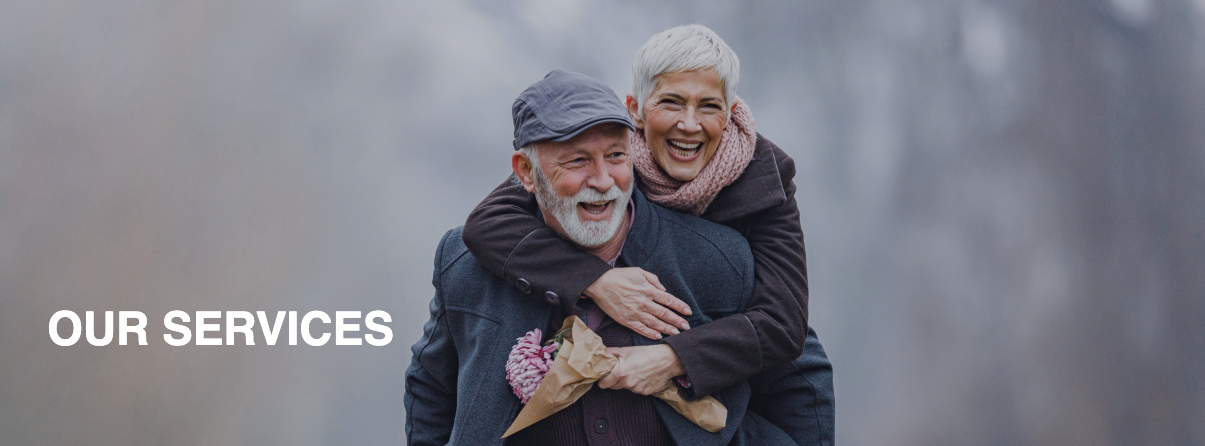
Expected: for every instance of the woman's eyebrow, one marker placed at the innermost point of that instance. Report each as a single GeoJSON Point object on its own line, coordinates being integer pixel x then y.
{"type": "Point", "coordinates": [681, 98]}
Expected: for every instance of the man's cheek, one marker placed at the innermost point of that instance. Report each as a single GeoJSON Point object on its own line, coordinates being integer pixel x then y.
{"type": "Point", "coordinates": [561, 181]}
{"type": "Point", "coordinates": [623, 176]}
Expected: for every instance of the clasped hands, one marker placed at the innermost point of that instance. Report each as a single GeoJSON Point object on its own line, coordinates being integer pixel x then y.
{"type": "Point", "coordinates": [636, 299]}
{"type": "Point", "coordinates": [645, 370]}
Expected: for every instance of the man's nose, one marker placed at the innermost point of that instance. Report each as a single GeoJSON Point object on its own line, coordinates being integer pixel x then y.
{"type": "Point", "coordinates": [600, 178]}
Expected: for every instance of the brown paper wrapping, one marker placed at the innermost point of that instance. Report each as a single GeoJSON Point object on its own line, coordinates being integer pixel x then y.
{"type": "Point", "coordinates": [582, 360]}
{"type": "Point", "coordinates": [707, 412]}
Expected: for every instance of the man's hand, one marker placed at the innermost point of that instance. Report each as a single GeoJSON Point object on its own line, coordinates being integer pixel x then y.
{"type": "Point", "coordinates": [636, 299]}
{"type": "Point", "coordinates": [644, 370]}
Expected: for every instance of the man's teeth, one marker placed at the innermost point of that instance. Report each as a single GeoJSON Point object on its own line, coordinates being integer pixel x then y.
{"type": "Point", "coordinates": [682, 149]}
{"type": "Point", "coordinates": [596, 207]}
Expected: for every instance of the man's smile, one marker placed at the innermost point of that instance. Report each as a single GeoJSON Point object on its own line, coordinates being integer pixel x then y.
{"type": "Point", "coordinates": [597, 208]}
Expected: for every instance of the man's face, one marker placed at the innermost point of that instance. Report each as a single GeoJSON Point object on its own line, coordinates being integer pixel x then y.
{"type": "Point", "coordinates": [583, 185]}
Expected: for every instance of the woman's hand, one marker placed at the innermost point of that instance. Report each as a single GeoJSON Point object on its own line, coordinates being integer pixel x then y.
{"type": "Point", "coordinates": [636, 299]}
{"type": "Point", "coordinates": [644, 370]}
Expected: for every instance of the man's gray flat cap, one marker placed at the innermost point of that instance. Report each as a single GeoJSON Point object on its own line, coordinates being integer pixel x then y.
{"type": "Point", "coordinates": [562, 105]}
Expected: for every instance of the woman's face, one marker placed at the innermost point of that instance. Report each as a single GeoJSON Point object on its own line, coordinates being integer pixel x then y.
{"type": "Point", "coordinates": [683, 120]}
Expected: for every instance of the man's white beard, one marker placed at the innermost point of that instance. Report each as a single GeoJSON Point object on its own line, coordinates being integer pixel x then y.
{"type": "Point", "coordinates": [590, 234]}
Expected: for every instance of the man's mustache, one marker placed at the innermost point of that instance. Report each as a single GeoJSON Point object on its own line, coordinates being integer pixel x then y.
{"type": "Point", "coordinates": [591, 195]}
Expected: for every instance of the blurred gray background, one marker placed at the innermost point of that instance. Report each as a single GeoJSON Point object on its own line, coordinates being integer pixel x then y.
{"type": "Point", "coordinates": [1002, 201]}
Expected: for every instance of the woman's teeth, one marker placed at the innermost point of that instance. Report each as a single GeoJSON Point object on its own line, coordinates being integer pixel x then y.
{"type": "Point", "coordinates": [682, 149]}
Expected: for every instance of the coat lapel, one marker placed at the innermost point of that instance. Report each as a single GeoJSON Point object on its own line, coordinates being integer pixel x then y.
{"type": "Point", "coordinates": [518, 314]}
{"type": "Point", "coordinates": [637, 251]}
{"type": "Point", "coordinates": [759, 187]}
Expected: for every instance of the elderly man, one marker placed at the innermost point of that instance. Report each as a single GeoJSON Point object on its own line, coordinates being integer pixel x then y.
{"type": "Point", "coordinates": [574, 157]}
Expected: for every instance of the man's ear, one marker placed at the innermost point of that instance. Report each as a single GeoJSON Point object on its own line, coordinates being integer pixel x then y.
{"type": "Point", "coordinates": [634, 111]}
{"type": "Point", "coordinates": [522, 167]}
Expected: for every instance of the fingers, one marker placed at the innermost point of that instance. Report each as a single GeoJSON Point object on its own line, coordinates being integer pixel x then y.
{"type": "Point", "coordinates": [609, 381]}
{"type": "Point", "coordinates": [637, 370]}
{"type": "Point", "coordinates": [664, 298]}
{"type": "Point", "coordinates": [669, 300]}
{"type": "Point", "coordinates": [663, 320]}
{"type": "Point", "coordinates": [641, 328]}
{"type": "Point", "coordinates": [616, 380]}
{"type": "Point", "coordinates": [649, 387]}
{"type": "Point", "coordinates": [635, 298]}
{"type": "Point", "coordinates": [643, 390]}
{"type": "Point", "coordinates": [652, 278]}
{"type": "Point", "coordinates": [651, 320]}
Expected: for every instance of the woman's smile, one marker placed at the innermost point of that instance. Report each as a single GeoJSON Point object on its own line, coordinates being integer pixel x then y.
{"type": "Point", "coordinates": [683, 120]}
{"type": "Point", "coordinates": [683, 151]}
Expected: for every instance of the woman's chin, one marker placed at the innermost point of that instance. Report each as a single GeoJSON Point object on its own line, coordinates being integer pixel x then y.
{"type": "Point", "coordinates": [682, 173]}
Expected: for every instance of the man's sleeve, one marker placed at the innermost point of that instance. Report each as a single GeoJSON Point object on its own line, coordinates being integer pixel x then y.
{"type": "Point", "coordinates": [505, 236]}
{"type": "Point", "coordinates": [798, 396]}
{"type": "Point", "coordinates": [431, 378]}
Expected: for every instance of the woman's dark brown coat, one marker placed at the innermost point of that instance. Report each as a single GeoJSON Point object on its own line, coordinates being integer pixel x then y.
{"type": "Point", "coordinates": [503, 234]}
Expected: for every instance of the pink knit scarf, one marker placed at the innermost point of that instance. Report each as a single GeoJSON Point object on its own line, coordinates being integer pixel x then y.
{"type": "Point", "coordinates": [693, 197]}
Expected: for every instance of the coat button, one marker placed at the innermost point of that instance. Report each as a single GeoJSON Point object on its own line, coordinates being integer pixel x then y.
{"type": "Point", "coordinates": [600, 426]}
{"type": "Point", "coordinates": [552, 298]}
{"type": "Point", "coordinates": [523, 285]}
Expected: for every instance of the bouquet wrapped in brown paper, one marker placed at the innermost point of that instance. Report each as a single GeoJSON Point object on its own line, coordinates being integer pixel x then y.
{"type": "Point", "coordinates": [581, 360]}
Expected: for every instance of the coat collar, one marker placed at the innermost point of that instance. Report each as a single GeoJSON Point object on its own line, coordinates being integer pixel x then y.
{"type": "Point", "coordinates": [759, 187]}
{"type": "Point", "coordinates": [644, 233]}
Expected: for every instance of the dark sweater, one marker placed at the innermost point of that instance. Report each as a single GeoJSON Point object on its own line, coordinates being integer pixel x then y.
{"type": "Point", "coordinates": [601, 416]}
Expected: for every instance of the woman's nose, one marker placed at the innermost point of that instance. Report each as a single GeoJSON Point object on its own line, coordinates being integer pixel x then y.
{"type": "Point", "coordinates": [689, 123]}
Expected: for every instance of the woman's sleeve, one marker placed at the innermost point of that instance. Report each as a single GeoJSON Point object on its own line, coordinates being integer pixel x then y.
{"type": "Point", "coordinates": [505, 235]}
{"type": "Point", "coordinates": [773, 328]}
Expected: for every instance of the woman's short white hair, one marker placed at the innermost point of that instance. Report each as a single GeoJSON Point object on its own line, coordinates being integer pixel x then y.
{"type": "Point", "coordinates": [681, 49]}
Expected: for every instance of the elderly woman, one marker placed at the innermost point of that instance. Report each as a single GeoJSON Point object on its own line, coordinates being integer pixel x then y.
{"type": "Point", "coordinates": [696, 151]}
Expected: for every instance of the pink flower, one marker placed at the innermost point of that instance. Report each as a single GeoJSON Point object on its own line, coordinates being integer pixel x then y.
{"type": "Point", "coordinates": [528, 363]}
